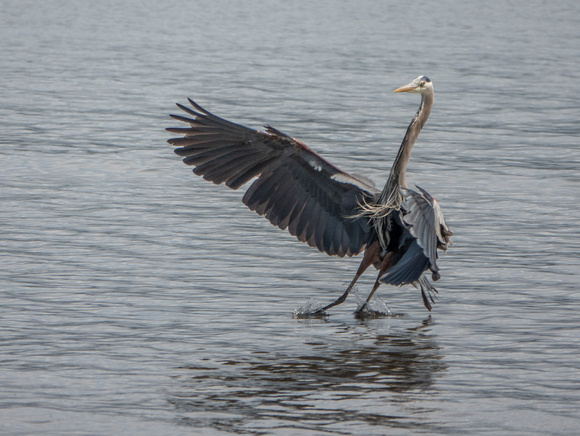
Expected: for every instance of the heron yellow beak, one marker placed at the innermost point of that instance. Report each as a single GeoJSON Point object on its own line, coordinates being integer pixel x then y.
{"type": "Point", "coordinates": [408, 87]}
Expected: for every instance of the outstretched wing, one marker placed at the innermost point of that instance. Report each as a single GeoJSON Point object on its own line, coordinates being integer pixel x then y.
{"type": "Point", "coordinates": [294, 189]}
{"type": "Point", "coordinates": [425, 221]}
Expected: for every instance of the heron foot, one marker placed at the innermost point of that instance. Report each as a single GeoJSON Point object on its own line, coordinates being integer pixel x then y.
{"type": "Point", "coordinates": [319, 314]}
{"type": "Point", "coordinates": [375, 309]}
{"type": "Point", "coordinates": [367, 313]}
{"type": "Point", "coordinates": [311, 309]}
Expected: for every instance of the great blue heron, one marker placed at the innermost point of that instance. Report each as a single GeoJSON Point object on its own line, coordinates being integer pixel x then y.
{"type": "Point", "coordinates": [398, 228]}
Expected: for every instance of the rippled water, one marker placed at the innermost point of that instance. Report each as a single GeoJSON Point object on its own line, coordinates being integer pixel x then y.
{"type": "Point", "coordinates": [139, 299]}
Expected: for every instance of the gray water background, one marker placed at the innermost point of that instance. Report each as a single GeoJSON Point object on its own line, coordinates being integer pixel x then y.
{"type": "Point", "coordinates": [137, 298]}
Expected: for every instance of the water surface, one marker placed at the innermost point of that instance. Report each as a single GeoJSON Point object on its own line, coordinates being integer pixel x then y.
{"type": "Point", "coordinates": [139, 299]}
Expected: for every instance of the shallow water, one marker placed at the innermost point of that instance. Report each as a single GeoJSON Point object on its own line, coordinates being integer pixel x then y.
{"type": "Point", "coordinates": [139, 299]}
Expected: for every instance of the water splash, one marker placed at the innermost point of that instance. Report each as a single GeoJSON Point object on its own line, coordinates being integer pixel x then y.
{"type": "Point", "coordinates": [312, 309]}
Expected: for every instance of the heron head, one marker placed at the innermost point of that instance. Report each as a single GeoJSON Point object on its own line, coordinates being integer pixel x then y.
{"type": "Point", "coordinates": [420, 85]}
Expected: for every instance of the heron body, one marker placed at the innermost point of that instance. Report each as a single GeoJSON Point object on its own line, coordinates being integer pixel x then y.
{"type": "Point", "coordinates": [399, 229]}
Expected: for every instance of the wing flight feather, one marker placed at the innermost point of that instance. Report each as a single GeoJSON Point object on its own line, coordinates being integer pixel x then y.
{"type": "Point", "coordinates": [294, 187]}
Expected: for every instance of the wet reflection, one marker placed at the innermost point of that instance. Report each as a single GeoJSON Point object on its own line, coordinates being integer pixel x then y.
{"type": "Point", "coordinates": [362, 377]}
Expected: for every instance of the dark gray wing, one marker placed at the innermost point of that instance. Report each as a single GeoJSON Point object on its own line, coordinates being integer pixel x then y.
{"type": "Point", "coordinates": [424, 231]}
{"type": "Point", "coordinates": [295, 188]}
{"type": "Point", "coordinates": [425, 221]}
{"type": "Point", "coordinates": [409, 267]}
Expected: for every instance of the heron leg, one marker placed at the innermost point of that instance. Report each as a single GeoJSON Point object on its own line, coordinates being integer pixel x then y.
{"type": "Point", "coordinates": [370, 257]}
{"type": "Point", "coordinates": [385, 266]}
{"type": "Point", "coordinates": [361, 269]}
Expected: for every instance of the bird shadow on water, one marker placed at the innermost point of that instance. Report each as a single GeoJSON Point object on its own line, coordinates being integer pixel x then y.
{"type": "Point", "coordinates": [358, 381]}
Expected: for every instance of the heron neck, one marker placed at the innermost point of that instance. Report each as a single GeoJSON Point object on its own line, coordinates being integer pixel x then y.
{"type": "Point", "coordinates": [397, 177]}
